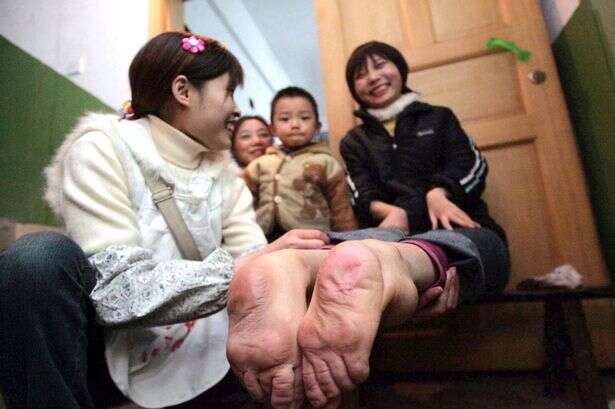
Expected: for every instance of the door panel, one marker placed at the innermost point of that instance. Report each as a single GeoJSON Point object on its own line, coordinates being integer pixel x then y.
{"type": "Point", "coordinates": [361, 13]}
{"type": "Point", "coordinates": [455, 85]}
{"type": "Point", "coordinates": [535, 188]}
{"type": "Point", "coordinates": [517, 164]}
{"type": "Point", "coordinates": [470, 15]}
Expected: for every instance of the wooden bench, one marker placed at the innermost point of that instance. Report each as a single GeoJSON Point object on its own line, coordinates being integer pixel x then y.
{"type": "Point", "coordinates": [566, 337]}
{"type": "Point", "coordinates": [566, 342]}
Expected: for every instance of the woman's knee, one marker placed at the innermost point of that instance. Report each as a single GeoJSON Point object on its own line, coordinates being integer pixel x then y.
{"type": "Point", "coordinates": [495, 259]}
{"type": "Point", "coordinates": [40, 260]}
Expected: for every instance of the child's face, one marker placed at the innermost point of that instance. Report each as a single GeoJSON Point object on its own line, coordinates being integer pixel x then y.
{"type": "Point", "coordinates": [379, 83]}
{"type": "Point", "coordinates": [294, 121]}
{"type": "Point", "coordinates": [251, 140]}
{"type": "Point", "coordinates": [211, 114]}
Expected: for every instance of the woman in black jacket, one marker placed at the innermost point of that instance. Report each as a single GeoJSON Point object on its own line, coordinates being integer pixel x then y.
{"type": "Point", "coordinates": [411, 164]}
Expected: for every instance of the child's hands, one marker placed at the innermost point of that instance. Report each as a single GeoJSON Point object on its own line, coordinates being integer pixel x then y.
{"type": "Point", "coordinates": [300, 239]}
{"type": "Point", "coordinates": [444, 212]}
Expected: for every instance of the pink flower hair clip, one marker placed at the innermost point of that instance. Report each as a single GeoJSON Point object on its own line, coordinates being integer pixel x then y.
{"type": "Point", "coordinates": [193, 44]}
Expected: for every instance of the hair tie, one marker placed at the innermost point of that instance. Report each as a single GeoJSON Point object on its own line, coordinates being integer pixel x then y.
{"type": "Point", "coordinates": [127, 110]}
{"type": "Point", "coordinates": [193, 44]}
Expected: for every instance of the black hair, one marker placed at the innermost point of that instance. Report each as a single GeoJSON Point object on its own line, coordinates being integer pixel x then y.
{"type": "Point", "coordinates": [162, 59]}
{"type": "Point", "coordinates": [294, 92]}
{"type": "Point", "coordinates": [358, 60]}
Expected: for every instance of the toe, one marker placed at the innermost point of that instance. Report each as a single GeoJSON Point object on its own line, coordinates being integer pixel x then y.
{"type": "Point", "coordinates": [298, 387]}
{"type": "Point", "coordinates": [333, 404]}
{"type": "Point", "coordinates": [358, 368]}
{"type": "Point", "coordinates": [324, 377]}
{"type": "Point", "coordinates": [251, 383]}
{"type": "Point", "coordinates": [282, 388]}
{"type": "Point", "coordinates": [340, 373]}
{"type": "Point", "coordinates": [310, 384]}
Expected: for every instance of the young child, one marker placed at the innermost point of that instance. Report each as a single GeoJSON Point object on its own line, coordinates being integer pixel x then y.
{"type": "Point", "coordinates": [298, 184]}
{"type": "Point", "coordinates": [135, 278]}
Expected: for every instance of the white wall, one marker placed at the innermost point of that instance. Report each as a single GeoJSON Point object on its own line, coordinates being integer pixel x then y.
{"type": "Point", "coordinates": [103, 34]}
{"type": "Point", "coordinates": [92, 42]}
{"type": "Point", "coordinates": [556, 14]}
{"type": "Point", "coordinates": [275, 41]}
{"type": "Point", "coordinates": [229, 22]}
{"type": "Point", "coordinates": [290, 29]}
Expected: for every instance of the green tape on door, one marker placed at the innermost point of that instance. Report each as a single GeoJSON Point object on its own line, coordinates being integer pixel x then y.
{"type": "Point", "coordinates": [521, 53]}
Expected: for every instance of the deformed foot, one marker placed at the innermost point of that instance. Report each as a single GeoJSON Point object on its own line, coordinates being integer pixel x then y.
{"type": "Point", "coordinates": [265, 307]}
{"type": "Point", "coordinates": [338, 330]}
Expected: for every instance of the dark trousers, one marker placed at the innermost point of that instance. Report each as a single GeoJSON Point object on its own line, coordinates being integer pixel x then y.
{"type": "Point", "coordinates": [51, 349]}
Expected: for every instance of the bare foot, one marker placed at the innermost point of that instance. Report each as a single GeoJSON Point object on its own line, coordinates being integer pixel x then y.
{"type": "Point", "coordinates": [267, 299]}
{"type": "Point", "coordinates": [338, 330]}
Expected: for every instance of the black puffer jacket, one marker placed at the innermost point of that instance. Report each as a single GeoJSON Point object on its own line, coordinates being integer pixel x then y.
{"type": "Point", "coordinates": [430, 149]}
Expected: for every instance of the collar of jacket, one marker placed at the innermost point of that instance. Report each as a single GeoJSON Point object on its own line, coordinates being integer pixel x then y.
{"type": "Point", "coordinates": [391, 111]}
{"type": "Point", "coordinates": [313, 147]}
{"type": "Point", "coordinates": [413, 107]}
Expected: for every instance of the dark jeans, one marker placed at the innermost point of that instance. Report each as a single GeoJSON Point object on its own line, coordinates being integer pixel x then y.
{"type": "Point", "coordinates": [51, 349]}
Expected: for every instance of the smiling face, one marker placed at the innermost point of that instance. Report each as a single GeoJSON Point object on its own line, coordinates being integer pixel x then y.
{"type": "Point", "coordinates": [211, 114]}
{"type": "Point", "coordinates": [251, 140]}
{"type": "Point", "coordinates": [378, 83]}
{"type": "Point", "coordinates": [294, 122]}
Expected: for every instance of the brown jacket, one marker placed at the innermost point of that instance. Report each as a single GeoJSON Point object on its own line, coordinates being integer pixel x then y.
{"type": "Point", "coordinates": [305, 188]}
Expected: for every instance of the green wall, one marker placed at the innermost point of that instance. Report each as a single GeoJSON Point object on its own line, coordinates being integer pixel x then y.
{"type": "Point", "coordinates": [38, 107]}
{"type": "Point", "coordinates": [604, 11]}
{"type": "Point", "coordinates": [584, 54]}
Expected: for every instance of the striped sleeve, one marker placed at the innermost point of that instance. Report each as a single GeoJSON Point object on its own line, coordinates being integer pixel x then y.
{"type": "Point", "coordinates": [473, 178]}
{"type": "Point", "coordinates": [465, 168]}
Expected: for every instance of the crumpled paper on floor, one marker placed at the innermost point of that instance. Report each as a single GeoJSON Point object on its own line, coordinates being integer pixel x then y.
{"type": "Point", "coordinates": [564, 277]}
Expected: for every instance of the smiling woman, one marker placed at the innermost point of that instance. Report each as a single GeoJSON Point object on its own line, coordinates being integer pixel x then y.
{"type": "Point", "coordinates": [251, 137]}
{"type": "Point", "coordinates": [213, 111]}
{"type": "Point", "coordinates": [380, 78]}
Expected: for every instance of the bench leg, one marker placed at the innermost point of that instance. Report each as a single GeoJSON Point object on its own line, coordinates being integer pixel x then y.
{"type": "Point", "coordinates": [591, 390]}
{"type": "Point", "coordinates": [557, 348]}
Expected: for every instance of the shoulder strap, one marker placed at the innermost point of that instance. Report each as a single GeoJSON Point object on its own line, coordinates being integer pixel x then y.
{"type": "Point", "coordinates": [162, 196]}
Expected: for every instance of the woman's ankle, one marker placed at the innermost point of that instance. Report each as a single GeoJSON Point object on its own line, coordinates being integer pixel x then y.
{"type": "Point", "coordinates": [420, 266]}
